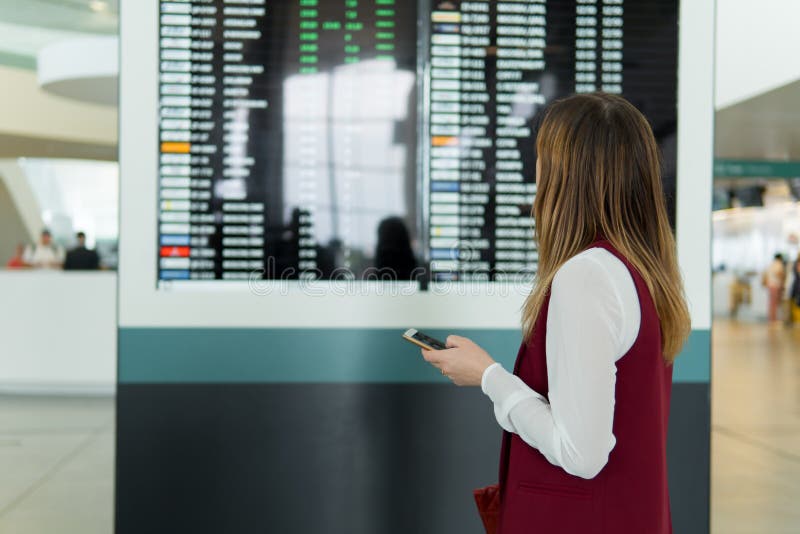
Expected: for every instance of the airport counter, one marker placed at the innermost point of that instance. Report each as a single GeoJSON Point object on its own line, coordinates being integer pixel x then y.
{"type": "Point", "coordinates": [58, 332]}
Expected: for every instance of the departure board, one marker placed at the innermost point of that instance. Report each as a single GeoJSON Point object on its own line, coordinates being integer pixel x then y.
{"type": "Point", "coordinates": [288, 134]}
{"type": "Point", "coordinates": [381, 139]}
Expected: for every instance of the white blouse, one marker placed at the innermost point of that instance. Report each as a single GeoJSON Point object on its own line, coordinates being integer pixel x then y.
{"type": "Point", "coordinates": [593, 320]}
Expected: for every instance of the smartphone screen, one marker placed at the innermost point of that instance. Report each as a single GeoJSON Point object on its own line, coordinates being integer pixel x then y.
{"type": "Point", "coordinates": [418, 338]}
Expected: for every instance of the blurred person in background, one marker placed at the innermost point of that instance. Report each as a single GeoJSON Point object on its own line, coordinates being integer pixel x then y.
{"type": "Point", "coordinates": [794, 294]}
{"type": "Point", "coordinates": [774, 280]}
{"type": "Point", "coordinates": [81, 258]}
{"type": "Point", "coordinates": [45, 254]}
{"type": "Point", "coordinates": [740, 294]}
{"type": "Point", "coordinates": [17, 261]}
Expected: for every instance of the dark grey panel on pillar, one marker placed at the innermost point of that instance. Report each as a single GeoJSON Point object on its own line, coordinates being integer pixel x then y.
{"type": "Point", "coordinates": [688, 457]}
{"type": "Point", "coordinates": [331, 458]}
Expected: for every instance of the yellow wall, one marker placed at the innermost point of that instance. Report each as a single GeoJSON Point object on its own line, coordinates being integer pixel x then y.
{"type": "Point", "coordinates": [28, 112]}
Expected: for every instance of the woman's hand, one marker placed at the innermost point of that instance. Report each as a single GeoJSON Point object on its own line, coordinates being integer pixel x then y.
{"type": "Point", "coordinates": [463, 361]}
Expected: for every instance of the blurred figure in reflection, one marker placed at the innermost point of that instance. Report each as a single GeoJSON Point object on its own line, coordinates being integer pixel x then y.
{"type": "Point", "coordinates": [17, 261]}
{"type": "Point", "coordinates": [287, 248]}
{"type": "Point", "coordinates": [393, 254]}
{"type": "Point", "coordinates": [330, 258]}
{"type": "Point", "coordinates": [45, 254]}
{"type": "Point", "coordinates": [81, 258]}
{"type": "Point", "coordinates": [774, 281]}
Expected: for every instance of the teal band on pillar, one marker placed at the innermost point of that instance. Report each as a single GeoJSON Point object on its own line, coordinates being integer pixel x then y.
{"type": "Point", "coordinates": [239, 355]}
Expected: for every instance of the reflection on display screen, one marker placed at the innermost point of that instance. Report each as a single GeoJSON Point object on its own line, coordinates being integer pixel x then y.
{"type": "Point", "coordinates": [381, 139]}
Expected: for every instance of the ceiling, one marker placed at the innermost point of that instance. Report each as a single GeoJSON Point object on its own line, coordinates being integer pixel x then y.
{"type": "Point", "coordinates": [87, 16]}
{"type": "Point", "coordinates": [27, 26]}
{"type": "Point", "coordinates": [765, 127]}
{"type": "Point", "coordinates": [755, 47]}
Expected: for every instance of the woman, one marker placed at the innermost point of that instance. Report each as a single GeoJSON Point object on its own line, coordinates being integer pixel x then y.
{"type": "Point", "coordinates": [774, 280]}
{"type": "Point", "coordinates": [585, 410]}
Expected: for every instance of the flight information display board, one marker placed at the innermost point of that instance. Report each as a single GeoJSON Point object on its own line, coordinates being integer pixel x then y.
{"type": "Point", "coordinates": [384, 139]}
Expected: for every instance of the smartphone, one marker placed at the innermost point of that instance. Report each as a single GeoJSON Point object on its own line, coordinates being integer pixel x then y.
{"type": "Point", "coordinates": [421, 340]}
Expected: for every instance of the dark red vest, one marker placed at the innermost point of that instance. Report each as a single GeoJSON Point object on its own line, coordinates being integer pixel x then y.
{"type": "Point", "coordinates": [630, 494]}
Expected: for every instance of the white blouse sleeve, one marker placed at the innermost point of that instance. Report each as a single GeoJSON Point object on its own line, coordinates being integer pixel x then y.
{"type": "Point", "coordinates": [593, 320]}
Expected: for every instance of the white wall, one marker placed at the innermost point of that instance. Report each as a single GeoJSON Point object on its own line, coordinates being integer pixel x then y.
{"type": "Point", "coordinates": [746, 239]}
{"type": "Point", "coordinates": [757, 44]}
{"type": "Point", "coordinates": [58, 332]}
{"type": "Point", "coordinates": [75, 195]}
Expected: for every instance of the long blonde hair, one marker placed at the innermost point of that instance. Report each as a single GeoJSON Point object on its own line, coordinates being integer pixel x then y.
{"type": "Point", "coordinates": [599, 174]}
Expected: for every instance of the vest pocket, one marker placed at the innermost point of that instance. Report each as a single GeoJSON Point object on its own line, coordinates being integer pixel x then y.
{"type": "Point", "coordinates": [555, 490]}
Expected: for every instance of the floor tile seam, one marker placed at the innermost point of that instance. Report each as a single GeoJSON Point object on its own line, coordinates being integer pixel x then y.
{"type": "Point", "coordinates": [756, 443]}
{"type": "Point", "coordinates": [44, 478]}
{"type": "Point", "coordinates": [780, 428]}
{"type": "Point", "coordinates": [6, 433]}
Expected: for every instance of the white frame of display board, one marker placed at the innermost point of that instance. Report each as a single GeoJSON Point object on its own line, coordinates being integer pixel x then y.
{"type": "Point", "coordinates": [325, 305]}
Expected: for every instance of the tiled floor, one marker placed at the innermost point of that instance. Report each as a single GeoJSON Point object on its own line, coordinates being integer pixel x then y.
{"type": "Point", "coordinates": [56, 454]}
{"type": "Point", "coordinates": [56, 465]}
{"type": "Point", "coordinates": [756, 429]}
